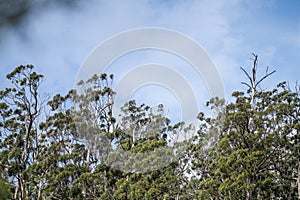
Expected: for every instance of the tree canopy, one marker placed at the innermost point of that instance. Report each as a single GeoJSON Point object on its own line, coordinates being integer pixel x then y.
{"type": "Point", "coordinates": [72, 146]}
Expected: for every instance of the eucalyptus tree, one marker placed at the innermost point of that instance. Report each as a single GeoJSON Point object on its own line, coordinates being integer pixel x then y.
{"type": "Point", "coordinates": [20, 108]}
{"type": "Point", "coordinates": [73, 146]}
{"type": "Point", "coordinates": [144, 154]}
{"type": "Point", "coordinates": [254, 153]}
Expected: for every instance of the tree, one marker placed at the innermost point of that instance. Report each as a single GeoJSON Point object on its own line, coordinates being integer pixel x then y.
{"type": "Point", "coordinates": [144, 155]}
{"type": "Point", "coordinates": [247, 157]}
{"type": "Point", "coordinates": [20, 107]}
{"type": "Point", "coordinates": [73, 147]}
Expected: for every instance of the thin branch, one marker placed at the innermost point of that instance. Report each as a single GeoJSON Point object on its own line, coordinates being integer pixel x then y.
{"type": "Point", "coordinates": [267, 69]}
{"type": "Point", "coordinates": [254, 69]}
{"type": "Point", "coordinates": [246, 74]}
{"type": "Point", "coordinates": [264, 77]}
{"type": "Point", "coordinates": [246, 84]}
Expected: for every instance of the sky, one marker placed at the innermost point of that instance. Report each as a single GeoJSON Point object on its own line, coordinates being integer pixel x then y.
{"type": "Point", "coordinates": [57, 39]}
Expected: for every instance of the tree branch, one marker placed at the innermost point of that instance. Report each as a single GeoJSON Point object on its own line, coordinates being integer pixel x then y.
{"type": "Point", "coordinates": [249, 77]}
{"type": "Point", "coordinates": [264, 77]}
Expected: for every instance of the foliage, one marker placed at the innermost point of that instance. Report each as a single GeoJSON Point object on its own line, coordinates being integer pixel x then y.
{"type": "Point", "coordinates": [254, 154]}
{"type": "Point", "coordinates": [4, 190]}
{"type": "Point", "coordinates": [73, 147]}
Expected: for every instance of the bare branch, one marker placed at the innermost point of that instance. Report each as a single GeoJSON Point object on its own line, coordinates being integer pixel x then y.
{"type": "Point", "coordinates": [246, 84]}
{"type": "Point", "coordinates": [254, 69]}
{"type": "Point", "coordinates": [246, 74]}
{"type": "Point", "coordinates": [264, 77]}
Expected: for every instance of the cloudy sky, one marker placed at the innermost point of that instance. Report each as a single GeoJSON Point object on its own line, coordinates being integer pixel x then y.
{"type": "Point", "coordinates": [58, 38]}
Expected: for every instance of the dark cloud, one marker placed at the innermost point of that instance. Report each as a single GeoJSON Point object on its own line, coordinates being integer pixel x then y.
{"type": "Point", "coordinates": [15, 12]}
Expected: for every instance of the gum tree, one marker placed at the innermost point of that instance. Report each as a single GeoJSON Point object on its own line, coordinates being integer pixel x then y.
{"type": "Point", "coordinates": [254, 154]}
{"type": "Point", "coordinates": [20, 107]}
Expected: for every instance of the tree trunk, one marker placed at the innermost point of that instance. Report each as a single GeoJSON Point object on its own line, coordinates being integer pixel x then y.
{"type": "Point", "coordinates": [105, 181]}
{"type": "Point", "coordinates": [22, 188]}
{"type": "Point", "coordinates": [249, 195]}
{"type": "Point", "coordinates": [87, 162]}
{"type": "Point", "coordinates": [16, 192]}
{"type": "Point", "coordinates": [249, 192]}
{"type": "Point", "coordinates": [40, 191]}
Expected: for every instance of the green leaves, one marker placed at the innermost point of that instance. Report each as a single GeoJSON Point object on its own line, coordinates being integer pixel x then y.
{"type": "Point", "coordinates": [4, 190]}
{"type": "Point", "coordinates": [251, 157]}
{"type": "Point", "coordinates": [249, 148]}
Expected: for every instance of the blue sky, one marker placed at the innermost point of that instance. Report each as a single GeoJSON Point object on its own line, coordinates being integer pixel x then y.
{"type": "Point", "coordinates": [57, 40]}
